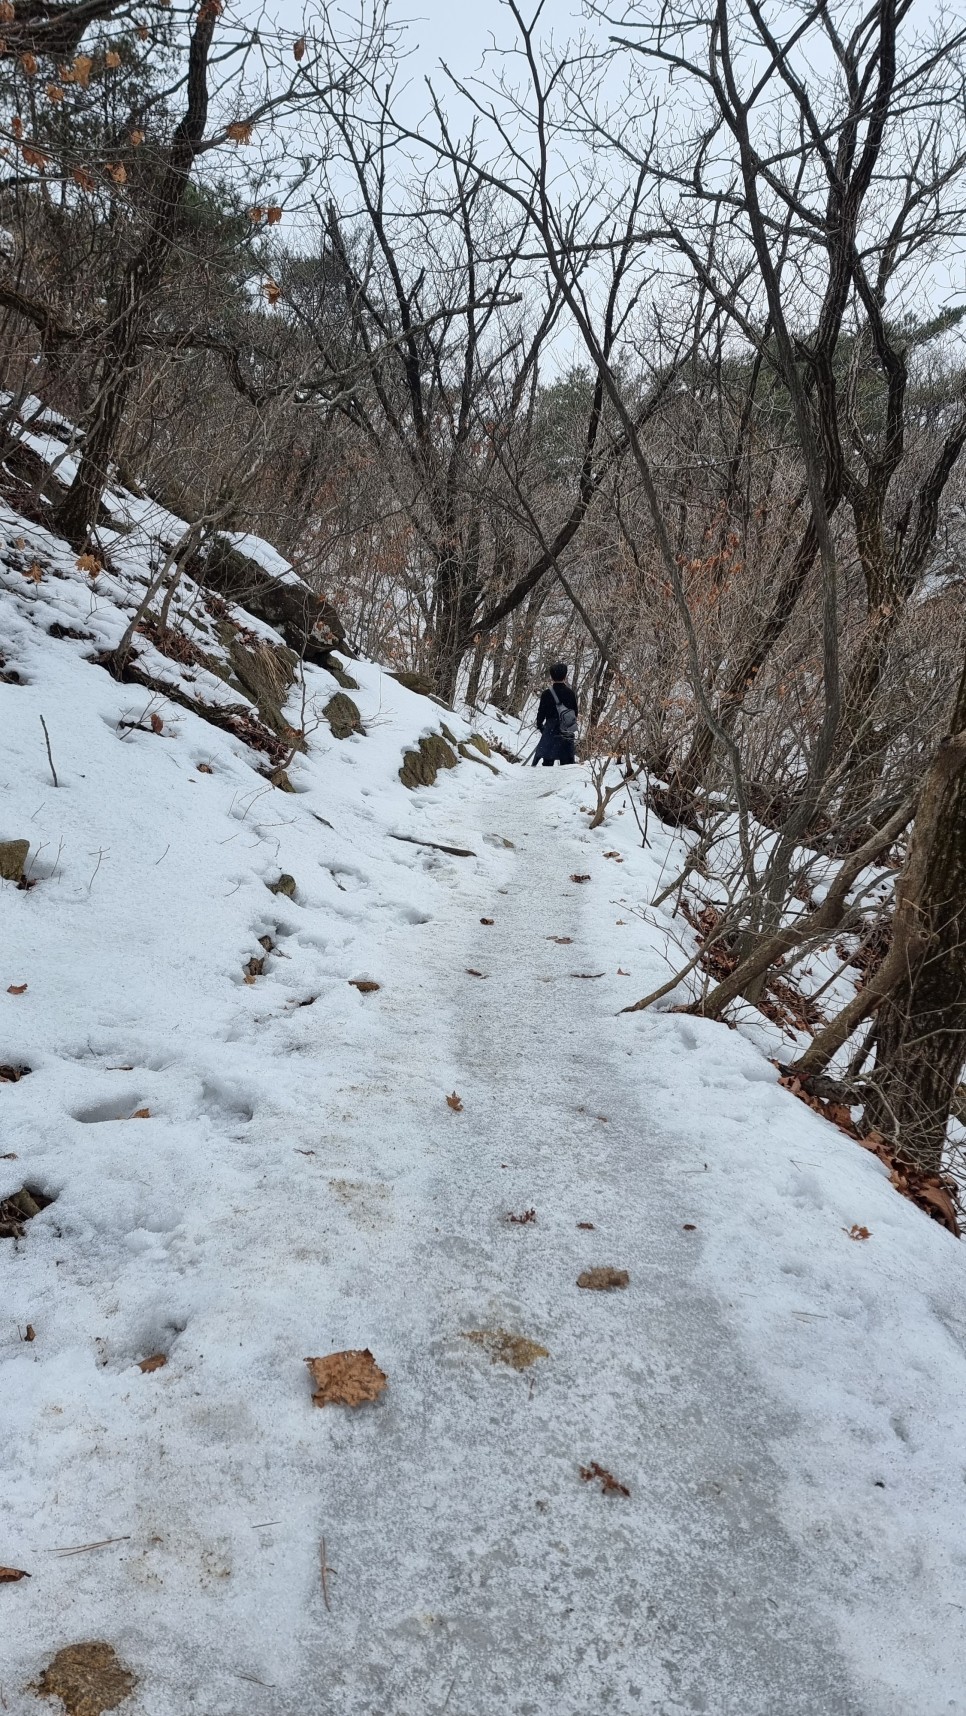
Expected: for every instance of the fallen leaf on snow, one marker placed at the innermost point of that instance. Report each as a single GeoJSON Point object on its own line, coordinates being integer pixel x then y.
{"type": "Point", "coordinates": [561, 940]}
{"type": "Point", "coordinates": [514, 1350]}
{"type": "Point", "coordinates": [690, 1227]}
{"type": "Point", "coordinates": [157, 1361]}
{"type": "Point", "coordinates": [576, 878]}
{"type": "Point", "coordinates": [364, 985]}
{"type": "Point", "coordinates": [157, 725]}
{"type": "Point", "coordinates": [89, 1678]}
{"type": "Point", "coordinates": [588, 1225]}
{"type": "Point", "coordinates": [346, 1379]}
{"type": "Point", "coordinates": [10, 1575]}
{"type": "Point", "coordinates": [204, 768]}
{"type": "Point", "coordinates": [522, 1220]}
{"type": "Point", "coordinates": [603, 1279]}
{"type": "Point", "coordinates": [587, 974]}
{"type": "Point", "coordinates": [488, 920]}
{"type": "Point", "coordinates": [16, 988]}
{"type": "Point", "coordinates": [140, 1114]}
{"type": "Point", "coordinates": [471, 973]}
{"type": "Point", "coordinates": [30, 1333]}
{"type": "Point", "coordinates": [454, 1102]}
{"type": "Point", "coordinates": [34, 572]}
{"type": "Point", "coordinates": [857, 1232]}
{"type": "Point", "coordinates": [609, 1485]}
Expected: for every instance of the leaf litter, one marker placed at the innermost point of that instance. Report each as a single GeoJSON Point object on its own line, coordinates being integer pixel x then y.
{"type": "Point", "coordinates": [348, 1378]}
{"type": "Point", "coordinates": [603, 1279]}
{"type": "Point", "coordinates": [514, 1350]}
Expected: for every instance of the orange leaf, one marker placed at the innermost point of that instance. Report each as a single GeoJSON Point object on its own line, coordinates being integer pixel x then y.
{"type": "Point", "coordinates": [82, 68]}
{"type": "Point", "coordinates": [273, 215]}
{"type": "Point", "coordinates": [9, 1575]}
{"type": "Point", "coordinates": [346, 1379]}
{"type": "Point", "coordinates": [89, 563]}
{"type": "Point", "coordinates": [141, 1114]}
{"type": "Point", "coordinates": [240, 131]}
{"type": "Point", "coordinates": [364, 985]}
{"type": "Point", "coordinates": [117, 171]}
{"type": "Point", "coordinates": [856, 1232]}
{"type": "Point", "coordinates": [34, 572]}
{"type": "Point", "coordinates": [29, 64]}
{"type": "Point", "coordinates": [16, 988]}
{"type": "Point", "coordinates": [157, 725]}
{"type": "Point", "coordinates": [455, 1103]}
{"type": "Point", "coordinates": [34, 157]}
{"type": "Point", "coordinates": [86, 180]}
{"type": "Point", "coordinates": [54, 93]}
{"type": "Point", "coordinates": [112, 59]}
{"type": "Point", "coordinates": [155, 1362]}
{"type": "Point", "coordinates": [7, 12]}
{"type": "Point", "coordinates": [272, 292]}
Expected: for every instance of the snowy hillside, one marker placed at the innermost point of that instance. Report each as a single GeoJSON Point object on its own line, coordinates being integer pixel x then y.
{"type": "Point", "coordinates": [243, 970]}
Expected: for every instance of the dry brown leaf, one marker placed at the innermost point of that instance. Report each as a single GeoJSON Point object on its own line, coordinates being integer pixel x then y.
{"type": "Point", "coordinates": [157, 725]}
{"type": "Point", "coordinates": [273, 215]}
{"type": "Point", "coordinates": [523, 1220]}
{"type": "Point", "coordinates": [136, 138]}
{"type": "Point", "coordinates": [204, 768]}
{"type": "Point", "coordinates": [364, 985]}
{"type": "Point", "coordinates": [346, 1379]}
{"type": "Point", "coordinates": [87, 182]}
{"type": "Point", "coordinates": [240, 131]}
{"type": "Point", "coordinates": [16, 988]}
{"type": "Point", "coordinates": [514, 1350]}
{"type": "Point", "coordinates": [157, 1361]}
{"type": "Point", "coordinates": [298, 49]}
{"type": "Point", "coordinates": [588, 1225]}
{"type": "Point", "coordinates": [603, 1279]}
{"type": "Point", "coordinates": [88, 1678]}
{"type": "Point", "coordinates": [561, 940]}
{"type": "Point", "coordinates": [140, 1114]}
{"type": "Point", "coordinates": [487, 920]}
{"type": "Point", "coordinates": [112, 59]}
{"type": "Point", "coordinates": [10, 1575]}
{"type": "Point", "coordinates": [609, 1485]}
{"type": "Point", "coordinates": [90, 564]}
{"type": "Point", "coordinates": [472, 972]}
{"type": "Point", "coordinates": [34, 572]}
{"type": "Point", "coordinates": [117, 171]}
{"type": "Point", "coordinates": [576, 878]}
{"type": "Point", "coordinates": [272, 291]}
{"type": "Point", "coordinates": [690, 1227]}
{"type": "Point", "coordinates": [857, 1232]}
{"type": "Point", "coordinates": [454, 1102]}
{"type": "Point", "coordinates": [29, 64]}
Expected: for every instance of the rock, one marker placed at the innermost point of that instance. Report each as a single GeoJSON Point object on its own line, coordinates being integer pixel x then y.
{"type": "Point", "coordinates": [306, 621]}
{"type": "Point", "coordinates": [417, 682]}
{"type": "Point", "coordinates": [420, 768]}
{"type": "Point", "coordinates": [266, 673]}
{"type": "Point", "coordinates": [285, 885]}
{"type": "Point", "coordinates": [472, 756]}
{"type": "Point", "coordinates": [279, 778]}
{"type": "Point", "coordinates": [13, 857]}
{"type": "Point", "coordinates": [333, 665]}
{"type": "Point", "coordinates": [343, 716]}
{"type": "Point", "coordinates": [499, 840]}
{"type": "Point", "coordinates": [481, 744]}
{"type": "Point", "coordinates": [89, 1678]}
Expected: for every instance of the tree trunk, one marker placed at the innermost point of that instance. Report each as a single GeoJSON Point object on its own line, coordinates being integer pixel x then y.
{"type": "Point", "coordinates": [130, 311]}
{"type": "Point", "coordinates": [921, 1028]}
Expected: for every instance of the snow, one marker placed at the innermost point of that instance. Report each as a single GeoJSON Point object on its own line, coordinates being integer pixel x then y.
{"type": "Point", "coordinates": [784, 1403]}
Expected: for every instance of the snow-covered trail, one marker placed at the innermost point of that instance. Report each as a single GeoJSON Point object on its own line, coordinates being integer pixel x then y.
{"type": "Point", "coordinates": [476, 1574]}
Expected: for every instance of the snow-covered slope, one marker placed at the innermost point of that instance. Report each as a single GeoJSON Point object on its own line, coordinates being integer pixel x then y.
{"type": "Point", "coordinates": [251, 1160]}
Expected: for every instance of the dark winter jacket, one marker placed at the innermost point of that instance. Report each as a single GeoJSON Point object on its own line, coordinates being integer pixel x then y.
{"type": "Point", "coordinates": [547, 718]}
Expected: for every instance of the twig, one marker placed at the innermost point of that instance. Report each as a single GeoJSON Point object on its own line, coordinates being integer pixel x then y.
{"type": "Point", "coordinates": [325, 1570]}
{"type": "Point", "coordinates": [82, 1548]}
{"type": "Point", "coordinates": [50, 758]}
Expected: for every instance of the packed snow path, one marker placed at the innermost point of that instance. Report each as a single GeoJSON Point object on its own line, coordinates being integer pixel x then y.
{"type": "Point", "coordinates": [477, 1574]}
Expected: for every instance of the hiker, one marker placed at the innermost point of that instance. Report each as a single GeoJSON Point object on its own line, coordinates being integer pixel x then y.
{"type": "Point", "coordinates": [557, 720]}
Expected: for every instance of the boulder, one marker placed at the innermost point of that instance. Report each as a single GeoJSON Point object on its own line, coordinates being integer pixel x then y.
{"type": "Point", "coordinates": [343, 716]}
{"type": "Point", "coordinates": [266, 673]}
{"type": "Point", "coordinates": [13, 857]}
{"type": "Point", "coordinates": [420, 768]}
{"type": "Point", "coordinates": [473, 756]}
{"type": "Point", "coordinates": [478, 740]}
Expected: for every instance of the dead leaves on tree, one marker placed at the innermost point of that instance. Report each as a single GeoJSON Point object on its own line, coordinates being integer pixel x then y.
{"type": "Point", "coordinates": [349, 1378]}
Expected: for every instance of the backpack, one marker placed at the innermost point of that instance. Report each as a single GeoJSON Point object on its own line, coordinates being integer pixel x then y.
{"type": "Point", "coordinates": [566, 719]}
